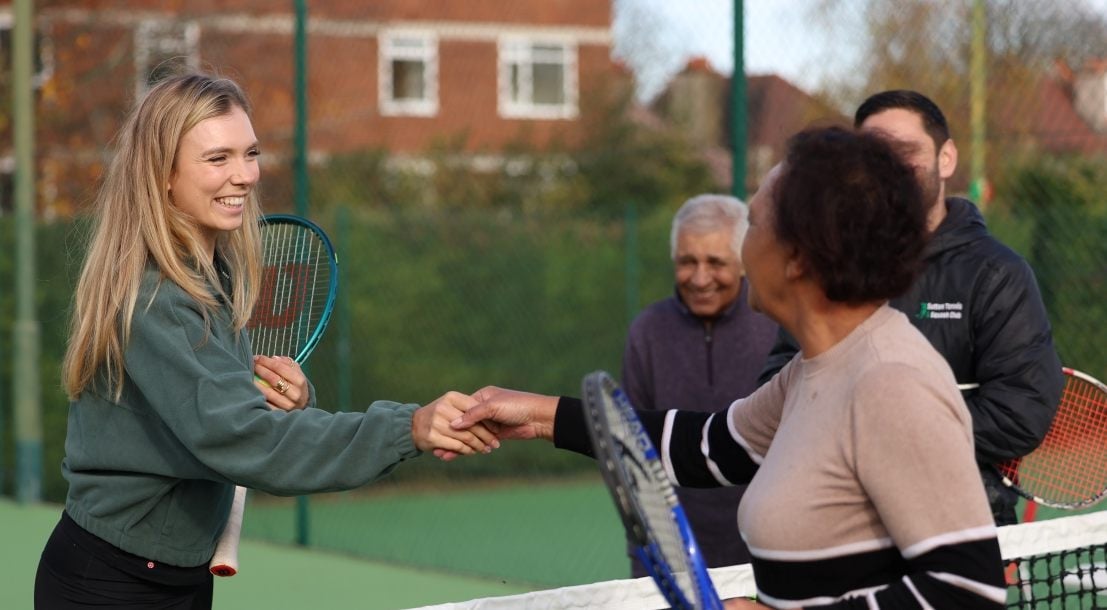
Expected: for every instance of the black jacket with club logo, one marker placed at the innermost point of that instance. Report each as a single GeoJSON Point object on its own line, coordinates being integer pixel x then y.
{"type": "Point", "coordinates": [978, 303]}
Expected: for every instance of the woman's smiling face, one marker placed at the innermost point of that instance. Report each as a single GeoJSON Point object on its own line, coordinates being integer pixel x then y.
{"type": "Point", "coordinates": [215, 169]}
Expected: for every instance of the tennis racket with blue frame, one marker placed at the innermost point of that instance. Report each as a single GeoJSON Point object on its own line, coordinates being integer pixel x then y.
{"type": "Point", "coordinates": [647, 504]}
{"type": "Point", "coordinates": [298, 291]}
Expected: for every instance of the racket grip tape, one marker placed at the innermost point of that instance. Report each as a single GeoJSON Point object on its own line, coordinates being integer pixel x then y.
{"type": "Point", "coordinates": [225, 560]}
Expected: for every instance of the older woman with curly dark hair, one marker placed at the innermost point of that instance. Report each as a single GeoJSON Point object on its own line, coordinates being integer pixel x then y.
{"type": "Point", "coordinates": [848, 447]}
{"type": "Point", "coordinates": [853, 213]}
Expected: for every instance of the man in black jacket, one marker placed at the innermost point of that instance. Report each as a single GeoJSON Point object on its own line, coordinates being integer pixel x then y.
{"type": "Point", "coordinates": [977, 301]}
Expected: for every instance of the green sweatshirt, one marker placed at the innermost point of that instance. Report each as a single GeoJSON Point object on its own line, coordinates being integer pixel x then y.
{"type": "Point", "coordinates": [154, 473]}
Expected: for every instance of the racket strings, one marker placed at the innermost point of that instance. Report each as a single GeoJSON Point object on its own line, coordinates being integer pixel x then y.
{"type": "Point", "coordinates": [295, 286]}
{"type": "Point", "coordinates": [1070, 466]}
{"type": "Point", "coordinates": [655, 498]}
{"type": "Point", "coordinates": [669, 542]}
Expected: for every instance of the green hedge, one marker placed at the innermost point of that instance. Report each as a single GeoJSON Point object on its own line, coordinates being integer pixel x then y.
{"type": "Point", "coordinates": [429, 302]}
{"type": "Point", "coordinates": [434, 298]}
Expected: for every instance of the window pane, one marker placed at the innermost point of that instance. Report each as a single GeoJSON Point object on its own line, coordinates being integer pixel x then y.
{"type": "Point", "coordinates": [162, 49]}
{"type": "Point", "coordinates": [547, 53]}
{"type": "Point", "coordinates": [407, 80]}
{"type": "Point", "coordinates": [516, 84]}
{"type": "Point", "coordinates": [549, 84]}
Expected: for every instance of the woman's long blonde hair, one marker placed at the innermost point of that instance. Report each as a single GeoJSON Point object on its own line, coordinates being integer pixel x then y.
{"type": "Point", "coordinates": [134, 223]}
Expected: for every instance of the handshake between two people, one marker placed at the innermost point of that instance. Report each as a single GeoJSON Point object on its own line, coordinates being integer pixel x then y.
{"type": "Point", "coordinates": [453, 424]}
{"type": "Point", "coordinates": [459, 424]}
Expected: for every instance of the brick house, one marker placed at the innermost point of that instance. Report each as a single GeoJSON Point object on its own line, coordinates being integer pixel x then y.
{"type": "Point", "coordinates": [397, 75]}
{"type": "Point", "coordinates": [1063, 112]}
{"type": "Point", "coordinates": [697, 101]}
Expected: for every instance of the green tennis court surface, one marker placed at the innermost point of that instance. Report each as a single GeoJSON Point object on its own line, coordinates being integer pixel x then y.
{"type": "Point", "coordinates": [416, 546]}
{"type": "Point", "coordinates": [538, 532]}
{"type": "Point", "coordinates": [273, 576]}
{"type": "Point", "coordinates": [430, 547]}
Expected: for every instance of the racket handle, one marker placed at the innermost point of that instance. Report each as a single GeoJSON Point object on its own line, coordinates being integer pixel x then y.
{"type": "Point", "coordinates": [225, 560]}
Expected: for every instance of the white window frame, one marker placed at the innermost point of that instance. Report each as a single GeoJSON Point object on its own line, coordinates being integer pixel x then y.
{"type": "Point", "coordinates": [390, 50]}
{"type": "Point", "coordinates": [157, 40]}
{"type": "Point", "coordinates": [520, 50]}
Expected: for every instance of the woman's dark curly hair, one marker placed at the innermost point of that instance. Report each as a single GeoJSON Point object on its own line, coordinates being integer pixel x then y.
{"type": "Point", "coordinates": [854, 211]}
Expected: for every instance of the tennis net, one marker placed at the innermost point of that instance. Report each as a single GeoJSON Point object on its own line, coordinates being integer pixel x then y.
{"type": "Point", "coordinates": [1059, 564]}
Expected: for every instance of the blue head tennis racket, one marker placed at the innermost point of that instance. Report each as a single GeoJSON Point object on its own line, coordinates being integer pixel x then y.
{"type": "Point", "coordinates": [644, 498]}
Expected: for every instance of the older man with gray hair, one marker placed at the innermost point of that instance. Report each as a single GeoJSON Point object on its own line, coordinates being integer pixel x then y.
{"type": "Point", "coordinates": [702, 348]}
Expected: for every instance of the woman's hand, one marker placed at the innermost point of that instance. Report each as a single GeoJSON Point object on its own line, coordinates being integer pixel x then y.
{"type": "Point", "coordinates": [282, 381]}
{"type": "Point", "coordinates": [431, 430]}
{"type": "Point", "coordinates": [509, 414]}
{"type": "Point", "coordinates": [515, 414]}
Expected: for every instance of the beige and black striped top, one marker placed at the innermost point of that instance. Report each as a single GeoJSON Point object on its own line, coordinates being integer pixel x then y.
{"type": "Point", "coordinates": [864, 491]}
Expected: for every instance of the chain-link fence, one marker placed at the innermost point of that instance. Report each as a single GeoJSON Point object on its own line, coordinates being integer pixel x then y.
{"type": "Point", "coordinates": [500, 199]}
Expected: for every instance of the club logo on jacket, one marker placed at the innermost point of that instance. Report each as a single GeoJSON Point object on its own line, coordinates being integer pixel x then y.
{"type": "Point", "coordinates": [939, 311]}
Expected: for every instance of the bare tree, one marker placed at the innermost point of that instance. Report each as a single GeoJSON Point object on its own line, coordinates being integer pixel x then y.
{"type": "Point", "coordinates": [648, 44]}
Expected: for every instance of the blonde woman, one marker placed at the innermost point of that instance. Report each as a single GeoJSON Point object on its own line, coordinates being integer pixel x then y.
{"type": "Point", "coordinates": [165, 417]}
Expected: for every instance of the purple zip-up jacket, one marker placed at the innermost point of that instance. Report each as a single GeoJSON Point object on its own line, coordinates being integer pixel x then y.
{"type": "Point", "coordinates": [677, 360]}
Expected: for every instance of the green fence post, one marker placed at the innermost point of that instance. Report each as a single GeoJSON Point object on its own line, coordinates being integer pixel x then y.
{"type": "Point", "coordinates": [738, 104]}
{"type": "Point", "coordinates": [978, 90]}
{"type": "Point", "coordinates": [26, 342]}
{"type": "Point", "coordinates": [301, 178]}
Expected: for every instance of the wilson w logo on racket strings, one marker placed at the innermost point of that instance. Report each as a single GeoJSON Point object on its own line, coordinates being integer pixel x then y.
{"type": "Point", "coordinates": [298, 286]}
{"type": "Point", "coordinates": [286, 289]}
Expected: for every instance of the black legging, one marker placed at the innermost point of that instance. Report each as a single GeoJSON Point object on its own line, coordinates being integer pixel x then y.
{"type": "Point", "coordinates": [79, 570]}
